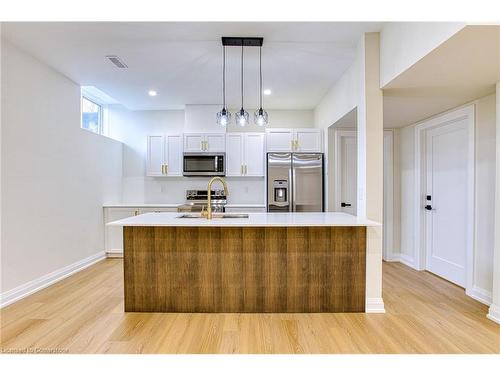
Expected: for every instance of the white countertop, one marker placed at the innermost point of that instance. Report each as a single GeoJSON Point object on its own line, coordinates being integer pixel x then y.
{"type": "Point", "coordinates": [293, 219]}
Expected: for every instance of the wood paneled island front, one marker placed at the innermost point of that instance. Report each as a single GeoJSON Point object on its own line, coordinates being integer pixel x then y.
{"type": "Point", "coordinates": [268, 262]}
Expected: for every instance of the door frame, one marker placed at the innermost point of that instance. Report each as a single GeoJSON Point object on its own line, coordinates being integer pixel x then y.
{"type": "Point", "coordinates": [420, 155]}
{"type": "Point", "coordinates": [339, 133]}
{"type": "Point", "coordinates": [388, 191]}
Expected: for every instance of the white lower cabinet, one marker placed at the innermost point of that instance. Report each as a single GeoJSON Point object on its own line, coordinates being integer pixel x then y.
{"type": "Point", "coordinates": [113, 236]}
{"type": "Point", "coordinates": [245, 154]}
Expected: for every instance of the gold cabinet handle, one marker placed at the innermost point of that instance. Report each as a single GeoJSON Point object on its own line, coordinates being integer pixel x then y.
{"type": "Point", "coordinates": [206, 145]}
{"type": "Point", "coordinates": [162, 169]}
{"type": "Point", "coordinates": [136, 212]}
{"type": "Point", "coordinates": [246, 169]}
{"type": "Point", "coordinates": [166, 168]}
{"type": "Point", "coordinates": [202, 145]}
{"type": "Point", "coordinates": [241, 169]}
{"type": "Point", "coordinates": [293, 145]}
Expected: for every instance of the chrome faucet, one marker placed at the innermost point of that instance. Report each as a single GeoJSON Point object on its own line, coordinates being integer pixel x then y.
{"type": "Point", "coordinates": [208, 212]}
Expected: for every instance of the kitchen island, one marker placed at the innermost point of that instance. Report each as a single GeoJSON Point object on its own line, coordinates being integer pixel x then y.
{"type": "Point", "coordinates": [266, 262]}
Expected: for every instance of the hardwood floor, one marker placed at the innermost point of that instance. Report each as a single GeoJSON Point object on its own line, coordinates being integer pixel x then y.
{"type": "Point", "coordinates": [84, 314]}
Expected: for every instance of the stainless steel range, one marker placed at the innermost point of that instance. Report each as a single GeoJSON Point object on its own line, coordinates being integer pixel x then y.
{"type": "Point", "coordinates": [197, 199]}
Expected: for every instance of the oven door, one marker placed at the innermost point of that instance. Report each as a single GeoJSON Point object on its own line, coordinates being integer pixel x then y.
{"type": "Point", "coordinates": [203, 164]}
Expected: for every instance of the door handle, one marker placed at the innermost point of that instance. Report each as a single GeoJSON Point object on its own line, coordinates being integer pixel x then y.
{"type": "Point", "coordinates": [343, 204]}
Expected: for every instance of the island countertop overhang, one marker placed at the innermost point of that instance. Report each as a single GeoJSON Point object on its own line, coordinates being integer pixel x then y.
{"type": "Point", "coordinates": [292, 219]}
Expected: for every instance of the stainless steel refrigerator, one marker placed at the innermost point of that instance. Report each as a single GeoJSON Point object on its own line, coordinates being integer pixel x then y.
{"type": "Point", "coordinates": [295, 182]}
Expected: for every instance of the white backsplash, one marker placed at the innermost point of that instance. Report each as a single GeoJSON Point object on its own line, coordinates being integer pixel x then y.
{"type": "Point", "coordinates": [248, 190]}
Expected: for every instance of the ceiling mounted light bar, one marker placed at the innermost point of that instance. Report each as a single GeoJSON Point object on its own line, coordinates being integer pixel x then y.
{"type": "Point", "coordinates": [242, 41]}
{"type": "Point", "coordinates": [224, 117]}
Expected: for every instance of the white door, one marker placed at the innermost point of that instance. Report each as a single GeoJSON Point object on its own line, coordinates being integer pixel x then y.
{"type": "Point", "coordinates": [193, 142]}
{"type": "Point", "coordinates": [173, 155]}
{"type": "Point", "coordinates": [446, 201]}
{"type": "Point", "coordinates": [254, 154]}
{"type": "Point", "coordinates": [234, 154]}
{"type": "Point", "coordinates": [308, 140]}
{"type": "Point", "coordinates": [215, 142]}
{"type": "Point", "coordinates": [348, 165]}
{"type": "Point", "coordinates": [279, 140]}
{"type": "Point", "coordinates": [155, 158]}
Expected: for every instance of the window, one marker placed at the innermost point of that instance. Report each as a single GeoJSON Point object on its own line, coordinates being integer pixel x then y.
{"type": "Point", "coordinates": [91, 116]}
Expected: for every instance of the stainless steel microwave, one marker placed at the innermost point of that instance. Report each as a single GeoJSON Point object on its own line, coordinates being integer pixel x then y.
{"type": "Point", "coordinates": [204, 164]}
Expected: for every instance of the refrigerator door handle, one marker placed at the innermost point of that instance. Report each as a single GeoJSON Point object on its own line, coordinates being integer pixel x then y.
{"type": "Point", "coordinates": [293, 206]}
{"type": "Point", "coordinates": [291, 179]}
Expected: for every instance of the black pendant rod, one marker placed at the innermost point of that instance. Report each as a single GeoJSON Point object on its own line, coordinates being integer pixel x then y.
{"type": "Point", "coordinates": [260, 65]}
{"type": "Point", "coordinates": [242, 76]}
{"type": "Point", "coordinates": [224, 77]}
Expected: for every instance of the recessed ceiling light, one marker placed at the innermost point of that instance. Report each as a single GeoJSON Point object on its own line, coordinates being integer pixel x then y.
{"type": "Point", "coordinates": [152, 93]}
{"type": "Point", "coordinates": [267, 92]}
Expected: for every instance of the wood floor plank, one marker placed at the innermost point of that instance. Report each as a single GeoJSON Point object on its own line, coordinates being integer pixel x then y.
{"type": "Point", "coordinates": [85, 314]}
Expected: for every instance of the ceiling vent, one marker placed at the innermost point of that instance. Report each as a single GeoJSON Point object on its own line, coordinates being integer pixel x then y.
{"type": "Point", "coordinates": [117, 61]}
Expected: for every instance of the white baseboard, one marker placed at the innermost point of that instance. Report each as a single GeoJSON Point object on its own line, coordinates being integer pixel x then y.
{"type": "Point", "coordinates": [402, 258]}
{"type": "Point", "coordinates": [408, 261]}
{"type": "Point", "coordinates": [494, 313]}
{"type": "Point", "coordinates": [114, 253]}
{"type": "Point", "coordinates": [374, 305]}
{"type": "Point", "coordinates": [392, 258]}
{"type": "Point", "coordinates": [33, 286]}
{"type": "Point", "coordinates": [479, 294]}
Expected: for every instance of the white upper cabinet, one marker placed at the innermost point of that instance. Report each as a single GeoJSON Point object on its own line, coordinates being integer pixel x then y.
{"type": "Point", "coordinates": [173, 152]}
{"type": "Point", "coordinates": [308, 140]}
{"type": "Point", "coordinates": [215, 142]}
{"type": "Point", "coordinates": [234, 154]}
{"type": "Point", "coordinates": [164, 155]}
{"type": "Point", "coordinates": [155, 155]}
{"type": "Point", "coordinates": [279, 140]}
{"type": "Point", "coordinates": [194, 142]}
{"type": "Point", "coordinates": [254, 154]}
{"type": "Point", "coordinates": [199, 142]}
{"type": "Point", "coordinates": [245, 154]}
{"type": "Point", "coordinates": [294, 140]}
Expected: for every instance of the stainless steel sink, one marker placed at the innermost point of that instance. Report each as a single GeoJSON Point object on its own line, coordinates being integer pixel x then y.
{"type": "Point", "coordinates": [215, 216]}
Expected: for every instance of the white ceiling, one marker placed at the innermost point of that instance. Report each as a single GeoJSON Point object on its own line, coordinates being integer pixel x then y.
{"type": "Point", "coordinates": [463, 68]}
{"type": "Point", "coordinates": [182, 61]}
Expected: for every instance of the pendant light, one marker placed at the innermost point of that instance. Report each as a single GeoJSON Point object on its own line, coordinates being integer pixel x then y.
{"type": "Point", "coordinates": [260, 116]}
{"type": "Point", "coordinates": [224, 116]}
{"type": "Point", "coordinates": [242, 115]}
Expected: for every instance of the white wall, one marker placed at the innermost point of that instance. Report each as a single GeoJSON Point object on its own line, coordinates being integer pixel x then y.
{"type": "Point", "coordinates": [485, 193]}
{"type": "Point", "coordinates": [132, 128]}
{"type": "Point", "coordinates": [359, 88]}
{"type": "Point", "coordinates": [344, 96]}
{"type": "Point", "coordinates": [402, 44]}
{"type": "Point", "coordinates": [55, 176]}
